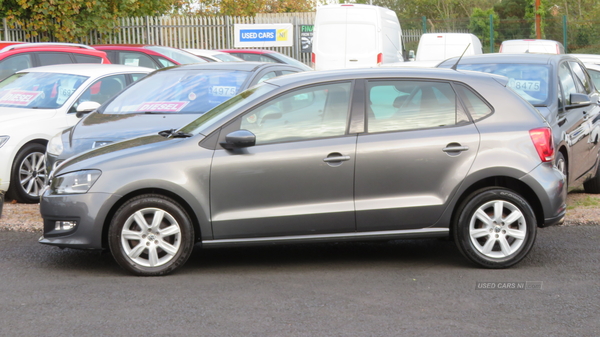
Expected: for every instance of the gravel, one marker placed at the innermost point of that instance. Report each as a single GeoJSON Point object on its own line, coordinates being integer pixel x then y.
{"type": "Point", "coordinates": [582, 209]}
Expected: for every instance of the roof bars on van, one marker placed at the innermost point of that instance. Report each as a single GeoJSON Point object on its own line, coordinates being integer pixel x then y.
{"type": "Point", "coordinates": [45, 44]}
{"type": "Point", "coordinates": [461, 55]}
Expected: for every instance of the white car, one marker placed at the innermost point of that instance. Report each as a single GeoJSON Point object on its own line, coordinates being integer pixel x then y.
{"type": "Point", "coordinates": [214, 55]}
{"type": "Point", "coordinates": [37, 103]}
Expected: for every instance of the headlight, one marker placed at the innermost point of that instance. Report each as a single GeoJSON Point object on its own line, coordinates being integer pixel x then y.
{"type": "Point", "coordinates": [3, 139]}
{"type": "Point", "coordinates": [75, 182]}
{"type": "Point", "coordinates": [55, 145]}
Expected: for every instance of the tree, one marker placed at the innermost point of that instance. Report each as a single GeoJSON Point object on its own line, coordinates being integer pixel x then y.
{"type": "Point", "coordinates": [247, 7]}
{"type": "Point", "coordinates": [479, 25]}
{"type": "Point", "coordinates": [68, 20]}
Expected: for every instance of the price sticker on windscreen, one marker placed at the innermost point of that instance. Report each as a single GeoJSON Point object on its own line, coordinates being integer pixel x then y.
{"type": "Point", "coordinates": [162, 106]}
{"type": "Point", "coordinates": [524, 85]}
{"type": "Point", "coordinates": [223, 91]}
{"type": "Point", "coordinates": [20, 97]}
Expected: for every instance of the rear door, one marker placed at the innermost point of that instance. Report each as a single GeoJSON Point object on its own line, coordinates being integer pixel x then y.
{"type": "Point", "coordinates": [362, 44]}
{"type": "Point", "coordinates": [418, 148]}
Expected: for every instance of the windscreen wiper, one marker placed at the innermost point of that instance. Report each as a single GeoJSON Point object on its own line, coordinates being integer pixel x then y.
{"type": "Point", "coordinates": [173, 133]}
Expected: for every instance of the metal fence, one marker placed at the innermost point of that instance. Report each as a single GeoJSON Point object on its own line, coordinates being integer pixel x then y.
{"type": "Point", "coordinates": [199, 32]}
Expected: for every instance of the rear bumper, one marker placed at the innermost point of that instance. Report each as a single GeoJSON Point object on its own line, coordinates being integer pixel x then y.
{"type": "Point", "coordinates": [550, 187]}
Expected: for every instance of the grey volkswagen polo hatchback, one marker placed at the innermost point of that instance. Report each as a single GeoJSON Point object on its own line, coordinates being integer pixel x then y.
{"type": "Point", "coordinates": [363, 154]}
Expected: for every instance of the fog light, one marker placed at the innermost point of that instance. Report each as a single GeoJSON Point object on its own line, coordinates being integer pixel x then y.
{"type": "Point", "coordinates": [64, 225]}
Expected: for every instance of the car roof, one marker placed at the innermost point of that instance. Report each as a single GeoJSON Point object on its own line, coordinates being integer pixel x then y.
{"type": "Point", "coordinates": [248, 51]}
{"type": "Point", "coordinates": [510, 58]}
{"type": "Point", "coordinates": [308, 77]}
{"type": "Point", "coordinates": [87, 69]}
{"type": "Point", "coordinates": [241, 66]}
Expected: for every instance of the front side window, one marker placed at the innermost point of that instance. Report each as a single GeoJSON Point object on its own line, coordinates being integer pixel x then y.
{"type": "Point", "coordinates": [12, 64]}
{"type": "Point", "coordinates": [303, 114]}
{"type": "Point", "coordinates": [583, 77]}
{"type": "Point", "coordinates": [595, 76]}
{"type": "Point", "coordinates": [80, 58]}
{"type": "Point", "coordinates": [180, 56]}
{"type": "Point", "coordinates": [38, 90]}
{"type": "Point", "coordinates": [567, 82]}
{"type": "Point", "coordinates": [178, 91]}
{"type": "Point", "coordinates": [137, 59]}
{"type": "Point", "coordinates": [409, 105]}
{"type": "Point", "coordinates": [103, 89]}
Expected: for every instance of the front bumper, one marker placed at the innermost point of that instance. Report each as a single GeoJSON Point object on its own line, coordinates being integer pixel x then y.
{"type": "Point", "coordinates": [89, 210]}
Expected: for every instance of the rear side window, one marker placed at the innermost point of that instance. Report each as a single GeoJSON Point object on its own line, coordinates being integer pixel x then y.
{"type": "Point", "coordinates": [11, 65]}
{"type": "Point", "coordinates": [595, 75]}
{"type": "Point", "coordinates": [80, 58]}
{"type": "Point", "coordinates": [410, 105]}
{"type": "Point", "coordinates": [477, 108]}
{"type": "Point", "coordinates": [47, 59]}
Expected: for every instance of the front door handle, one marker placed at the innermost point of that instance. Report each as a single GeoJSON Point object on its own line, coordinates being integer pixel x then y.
{"type": "Point", "coordinates": [455, 148]}
{"type": "Point", "coordinates": [336, 159]}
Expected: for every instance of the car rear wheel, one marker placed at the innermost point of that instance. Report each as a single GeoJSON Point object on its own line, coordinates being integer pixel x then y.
{"type": "Point", "coordinates": [28, 175]}
{"type": "Point", "coordinates": [151, 235]}
{"type": "Point", "coordinates": [496, 228]}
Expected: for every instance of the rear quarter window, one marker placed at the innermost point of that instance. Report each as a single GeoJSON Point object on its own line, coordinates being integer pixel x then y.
{"type": "Point", "coordinates": [475, 105]}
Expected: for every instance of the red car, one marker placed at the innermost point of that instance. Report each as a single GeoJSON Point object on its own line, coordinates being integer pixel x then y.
{"type": "Point", "coordinates": [15, 56]}
{"type": "Point", "coordinates": [262, 55]}
{"type": "Point", "coordinates": [149, 56]}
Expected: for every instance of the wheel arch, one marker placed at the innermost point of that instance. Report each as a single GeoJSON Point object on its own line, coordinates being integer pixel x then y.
{"type": "Point", "coordinates": [188, 209]}
{"type": "Point", "coordinates": [510, 183]}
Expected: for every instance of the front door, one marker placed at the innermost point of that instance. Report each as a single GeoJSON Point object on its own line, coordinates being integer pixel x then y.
{"type": "Point", "coordinates": [298, 178]}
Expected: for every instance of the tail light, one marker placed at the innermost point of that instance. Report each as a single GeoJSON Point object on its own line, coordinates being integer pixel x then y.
{"type": "Point", "coordinates": [379, 58]}
{"type": "Point", "coordinates": [313, 58]}
{"type": "Point", "coordinates": [543, 142]}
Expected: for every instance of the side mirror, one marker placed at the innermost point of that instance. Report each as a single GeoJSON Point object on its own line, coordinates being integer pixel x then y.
{"type": "Point", "coordinates": [86, 107]}
{"type": "Point", "coordinates": [239, 139]}
{"type": "Point", "coordinates": [579, 101]}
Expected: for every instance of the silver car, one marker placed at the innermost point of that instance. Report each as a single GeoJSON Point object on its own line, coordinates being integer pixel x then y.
{"type": "Point", "coordinates": [363, 154]}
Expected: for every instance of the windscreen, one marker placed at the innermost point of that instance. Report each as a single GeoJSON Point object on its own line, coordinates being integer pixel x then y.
{"type": "Point", "coordinates": [530, 81]}
{"type": "Point", "coordinates": [178, 91]}
{"type": "Point", "coordinates": [38, 90]}
{"type": "Point", "coordinates": [180, 56]}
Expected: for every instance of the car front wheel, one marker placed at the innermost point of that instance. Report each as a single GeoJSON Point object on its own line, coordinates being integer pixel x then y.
{"type": "Point", "coordinates": [28, 175]}
{"type": "Point", "coordinates": [151, 235]}
{"type": "Point", "coordinates": [496, 228]}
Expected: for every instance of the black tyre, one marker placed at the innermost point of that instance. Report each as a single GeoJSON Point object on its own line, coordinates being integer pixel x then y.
{"type": "Point", "coordinates": [561, 165]}
{"type": "Point", "coordinates": [593, 185]}
{"type": "Point", "coordinates": [495, 228]}
{"type": "Point", "coordinates": [151, 235]}
{"type": "Point", "coordinates": [28, 174]}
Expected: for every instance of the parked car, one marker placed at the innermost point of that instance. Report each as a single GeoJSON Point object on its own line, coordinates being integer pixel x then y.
{"type": "Point", "coordinates": [214, 55]}
{"type": "Point", "coordinates": [260, 55]}
{"type": "Point", "coordinates": [37, 103]}
{"type": "Point", "coordinates": [594, 71]}
{"type": "Point", "coordinates": [588, 58]}
{"type": "Point", "coordinates": [18, 56]}
{"type": "Point", "coordinates": [155, 57]}
{"type": "Point", "coordinates": [167, 99]}
{"type": "Point", "coordinates": [531, 46]}
{"type": "Point", "coordinates": [561, 89]}
{"type": "Point", "coordinates": [302, 158]}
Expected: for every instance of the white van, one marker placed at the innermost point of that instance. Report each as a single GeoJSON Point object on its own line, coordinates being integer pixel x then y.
{"type": "Point", "coordinates": [355, 36]}
{"type": "Point", "coordinates": [532, 46]}
{"type": "Point", "coordinates": [441, 46]}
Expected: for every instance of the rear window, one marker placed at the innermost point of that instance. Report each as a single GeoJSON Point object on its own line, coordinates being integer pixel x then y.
{"type": "Point", "coordinates": [87, 58]}
{"type": "Point", "coordinates": [530, 81]}
{"type": "Point", "coordinates": [179, 91]}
